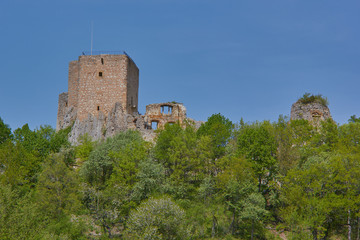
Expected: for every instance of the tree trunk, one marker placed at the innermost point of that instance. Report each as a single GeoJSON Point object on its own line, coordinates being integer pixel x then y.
{"type": "Point", "coordinates": [231, 227]}
{"type": "Point", "coordinates": [213, 230]}
{"type": "Point", "coordinates": [358, 228]}
{"type": "Point", "coordinates": [252, 230]}
{"type": "Point", "coordinates": [259, 184]}
{"type": "Point", "coordinates": [349, 224]}
{"type": "Point", "coordinates": [314, 233]}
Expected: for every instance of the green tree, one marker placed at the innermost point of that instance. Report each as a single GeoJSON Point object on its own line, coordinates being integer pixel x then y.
{"type": "Point", "coordinates": [59, 140]}
{"type": "Point", "coordinates": [83, 150]}
{"type": "Point", "coordinates": [110, 173]}
{"type": "Point", "coordinates": [99, 167]}
{"type": "Point", "coordinates": [247, 206]}
{"type": "Point", "coordinates": [126, 161]}
{"type": "Point", "coordinates": [327, 138]}
{"type": "Point", "coordinates": [57, 189]}
{"type": "Point", "coordinates": [150, 180]}
{"type": "Point", "coordinates": [257, 143]}
{"type": "Point", "coordinates": [157, 219]}
{"type": "Point", "coordinates": [18, 167]}
{"type": "Point", "coordinates": [5, 132]}
{"type": "Point", "coordinates": [176, 149]}
{"type": "Point", "coordinates": [322, 194]}
{"type": "Point", "coordinates": [220, 130]}
{"type": "Point", "coordinates": [109, 207]}
{"type": "Point", "coordinates": [40, 141]}
{"type": "Point", "coordinates": [354, 119]}
{"type": "Point", "coordinates": [161, 149]}
{"type": "Point", "coordinates": [8, 204]}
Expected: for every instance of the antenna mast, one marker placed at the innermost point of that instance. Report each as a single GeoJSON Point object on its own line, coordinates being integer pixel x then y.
{"type": "Point", "coordinates": [91, 38]}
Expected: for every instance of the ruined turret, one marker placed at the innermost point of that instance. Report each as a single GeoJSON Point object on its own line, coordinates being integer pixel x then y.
{"type": "Point", "coordinates": [313, 108]}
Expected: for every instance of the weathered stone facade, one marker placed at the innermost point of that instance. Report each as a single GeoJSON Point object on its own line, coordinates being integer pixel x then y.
{"type": "Point", "coordinates": [158, 114]}
{"type": "Point", "coordinates": [314, 112]}
{"type": "Point", "coordinates": [97, 82]}
{"type": "Point", "coordinates": [102, 100]}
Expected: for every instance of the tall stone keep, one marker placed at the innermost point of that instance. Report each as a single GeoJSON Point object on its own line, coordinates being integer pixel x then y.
{"type": "Point", "coordinates": [96, 83]}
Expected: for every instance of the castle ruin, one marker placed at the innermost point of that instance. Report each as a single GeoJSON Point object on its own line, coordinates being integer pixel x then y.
{"type": "Point", "coordinates": [102, 99]}
{"type": "Point", "coordinates": [315, 112]}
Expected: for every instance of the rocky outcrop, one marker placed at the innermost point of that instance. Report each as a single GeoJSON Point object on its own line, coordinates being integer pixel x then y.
{"type": "Point", "coordinates": [93, 126]}
{"type": "Point", "coordinates": [314, 112]}
{"type": "Point", "coordinates": [101, 126]}
{"type": "Point", "coordinates": [118, 120]}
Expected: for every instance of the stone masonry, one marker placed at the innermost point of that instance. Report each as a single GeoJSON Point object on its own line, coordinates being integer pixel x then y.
{"type": "Point", "coordinates": [102, 100]}
{"type": "Point", "coordinates": [97, 82]}
{"type": "Point", "coordinates": [159, 114]}
{"type": "Point", "coordinates": [314, 112]}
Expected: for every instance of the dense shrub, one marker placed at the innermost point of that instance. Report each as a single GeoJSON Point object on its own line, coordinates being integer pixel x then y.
{"type": "Point", "coordinates": [310, 98]}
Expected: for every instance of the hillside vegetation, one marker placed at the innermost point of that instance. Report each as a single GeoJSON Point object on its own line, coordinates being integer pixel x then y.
{"type": "Point", "coordinates": [254, 180]}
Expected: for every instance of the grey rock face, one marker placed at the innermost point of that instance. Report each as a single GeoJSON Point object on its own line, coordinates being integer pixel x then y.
{"type": "Point", "coordinates": [313, 112]}
{"type": "Point", "coordinates": [69, 117]}
{"type": "Point", "coordinates": [93, 126]}
{"type": "Point", "coordinates": [101, 126]}
{"type": "Point", "coordinates": [117, 121]}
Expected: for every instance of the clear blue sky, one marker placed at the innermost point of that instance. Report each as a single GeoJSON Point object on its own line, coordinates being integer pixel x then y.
{"type": "Point", "coordinates": [242, 58]}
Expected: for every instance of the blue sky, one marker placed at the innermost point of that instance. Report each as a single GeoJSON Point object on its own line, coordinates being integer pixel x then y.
{"type": "Point", "coordinates": [240, 58]}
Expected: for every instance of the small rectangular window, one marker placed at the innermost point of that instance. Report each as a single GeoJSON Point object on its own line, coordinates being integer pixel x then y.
{"type": "Point", "coordinates": [102, 61]}
{"type": "Point", "coordinates": [154, 125]}
{"type": "Point", "coordinates": [165, 109]}
{"type": "Point", "coordinates": [98, 108]}
{"type": "Point", "coordinates": [100, 74]}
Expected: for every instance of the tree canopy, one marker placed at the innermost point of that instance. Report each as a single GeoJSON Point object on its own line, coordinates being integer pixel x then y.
{"type": "Point", "coordinates": [256, 180]}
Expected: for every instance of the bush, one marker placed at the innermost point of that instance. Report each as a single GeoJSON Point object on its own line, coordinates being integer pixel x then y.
{"type": "Point", "coordinates": [157, 219]}
{"type": "Point", "coordinates": [309, 98]}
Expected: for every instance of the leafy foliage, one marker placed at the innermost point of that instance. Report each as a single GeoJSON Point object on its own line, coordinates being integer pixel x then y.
{"type": "Point", "coordinates": [5, 132]}
{"type": "Point", "coordinates": [310, 98]}
{"type": "Point", "coordinates": [99, 167]}
{"type": "Point", "coordinates": [257, 143]}
{"type": "Point", "coordinates": [217, 182]}
{"type": "Point", "coordinates": [157, 219]}
{"type": "Point", "coordinates": [219, 129]}
{"type": "Point", "coordinates": [354, 119]}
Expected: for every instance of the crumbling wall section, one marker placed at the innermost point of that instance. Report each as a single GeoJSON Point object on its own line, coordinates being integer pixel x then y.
{"type": "Point", "coordinates": [73, 83]}
{"type": "Point", "coordinates": [132, 76]}
{"type": "Point", "coordinates": [62, 107]}
{"type": "Point", "coordinates": [162, 113]}
{"type": "Point", "coordinates": [313, 112]}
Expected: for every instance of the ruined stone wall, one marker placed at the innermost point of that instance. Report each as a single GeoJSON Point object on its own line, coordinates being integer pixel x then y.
{"type": "Point", "coordinates": [73, 83]}
{"type": "Point", "coordinates": [161, 113]}
{"type": "Point", "coordinates": [102, 83]}
{"type": "Point", "coordinates": [313, 112]}
{"type": "Point", "coordinates": [62, 107]}
{"type": "Point", "coordinates": [132, 87]}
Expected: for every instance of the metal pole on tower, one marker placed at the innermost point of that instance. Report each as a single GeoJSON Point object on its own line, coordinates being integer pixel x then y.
{"type": "Point", "coordinates": [91, 38]}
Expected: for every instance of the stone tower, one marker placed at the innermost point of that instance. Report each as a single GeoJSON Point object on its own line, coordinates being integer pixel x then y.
{"type": "Point", "coordinates": [96, 83]}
